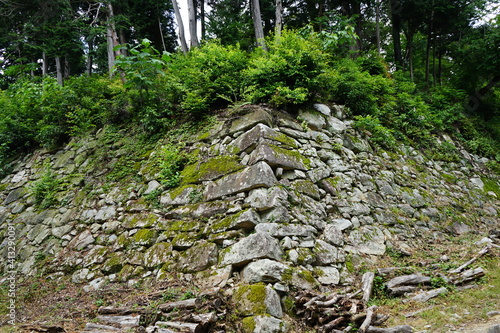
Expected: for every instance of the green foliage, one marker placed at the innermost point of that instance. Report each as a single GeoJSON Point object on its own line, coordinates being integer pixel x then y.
{"type": "Point", "coordinates": [45, 189]}
{"type": "Point", "coordinates": [288, 73]}
{"type": "Point", "coordinates": [378, 133]}
{"type": "Point", "coordinates": [209, 76]}
{"type": "Point", "coordinates": [172, 160]}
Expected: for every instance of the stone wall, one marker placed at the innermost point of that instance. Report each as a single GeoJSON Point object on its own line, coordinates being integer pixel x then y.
{"type": "Point", "coordinates": [293, 202]}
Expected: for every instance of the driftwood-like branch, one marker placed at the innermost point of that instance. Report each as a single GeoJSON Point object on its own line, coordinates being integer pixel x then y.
{"type": "Point", "coordinates": [110, 310]}
{"type": "Point", "coordinates": [468, 275]}
{"type": "Point", "coordinates": [367, 286]}
{"type": "Point", "coordinates": [183, 305]}
{"type": "Point", "coordinates": [370, 312]}
{"type": "Point", "coordinates": [184, 327]}
{"type": "Point", "coordinates": [395, 329]}
{"type": "Point", "coordinates": [470, 262]}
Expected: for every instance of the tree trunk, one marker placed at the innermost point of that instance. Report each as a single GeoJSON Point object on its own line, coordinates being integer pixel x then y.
{"type": "Point", "coordinates": [428, 50]}
{"type": "Point", "coordinates": [377, 25]}
{"type": "Point", "coordinates": [396, 33]}
{"type": "Point", "coordinates": [112, 39]}
{"type": "Point", "coordinates": [279, 18]}
{"type": "Point", "coordinates": [257, 24]}
{"type": "Point", "coordinates": [44, 64]}
{"type": "Point", "coordinates": [59, 71]}
{"type": "Point", "coordinates": [202, 19]}
{"type": "Point", "coordinates": [182, 36]}
{"type": "Point", "coordinates": [192, 24]}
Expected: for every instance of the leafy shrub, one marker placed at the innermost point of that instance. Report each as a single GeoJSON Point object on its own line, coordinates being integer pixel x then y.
{"type": "Point", "coordinates": [209, 76]}
{"type": "Point", "coordinates": [379, 134]}
{"type": "Point", "coordinates": [172, 160]}
{"type": "Point", "coordinates": [45, 189]}
{"type": "Point", "coordinates": [288, 73]}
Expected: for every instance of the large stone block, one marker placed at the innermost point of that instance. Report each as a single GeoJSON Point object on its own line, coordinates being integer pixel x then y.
{"type": "Point", "coordinates": [249, 140]}
{"type": "Point", "coordinates": [257, 299]}
{"type": "Point", "coordinates": [259, 116]}
{"type": "Point", "coordinates": [257, 175]}
{"type": "Point", "coordinates": [264, 270]}
{"type": "Point", "coordinates": [284, 230]}
{"type": "Point", "coordinates": [256, 246]}
{"type": "Point", "coordinates": [279, 157]}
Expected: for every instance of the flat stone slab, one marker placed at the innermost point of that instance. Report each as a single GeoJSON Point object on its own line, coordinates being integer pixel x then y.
{"type": "Point", "coordinates": [257, 175]}
{"type": "Point", "coordinates": [249, 140]}
{"type": "Point", "coordinates": [283, 230]}
{"type": "Point", "coordinates": [257, 246]}
{"type": "Point", "coordinates": [264, 270]}
{"type": "Point", "coordinates": [243, 123]}
{"type": "Point", "coordinates": [279, 157]}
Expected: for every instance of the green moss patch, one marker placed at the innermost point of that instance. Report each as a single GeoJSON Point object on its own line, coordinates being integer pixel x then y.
{"type": "Point", "coordinates": [212, 169]}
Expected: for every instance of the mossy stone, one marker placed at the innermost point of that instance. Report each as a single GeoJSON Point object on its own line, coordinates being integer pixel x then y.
{"type": "Point", "coordinates": [145, 237]}
{"type": "Point", "coordinates": [212, 169]}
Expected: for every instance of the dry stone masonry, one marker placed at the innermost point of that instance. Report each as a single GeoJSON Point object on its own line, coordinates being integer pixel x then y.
{"type": "Point", "coordinates": [272, 203]}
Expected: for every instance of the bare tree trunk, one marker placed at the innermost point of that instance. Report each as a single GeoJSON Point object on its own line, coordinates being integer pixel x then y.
{"type": "Point", "coordinates": [182, 36]}
{"type": "Point", "coordinates": [59, 71]}
{"type": "Point", "coordinates": [377, 24]}
{"type": "Point", "coordinates": [396, 33]}
{"type": "Point", "coordinates": [66, 69]}
{"type": "Point", "coordinates": [279, 18]}
{"type": "Point", "coordinates": [112, 39]}
{"type": "Point", "coordinates": [202, 19]}
{"type": "Point", "coordinates": [192, 24]}
{"type": "Point", "coordinates": [257, 24]}
{"type": "Point", "coordinates": [428, 50]}
{"type": "Point", "coordinates": [44, 64]}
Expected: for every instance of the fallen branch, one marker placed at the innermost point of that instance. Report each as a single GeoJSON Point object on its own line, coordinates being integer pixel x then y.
{"type": "Point", "coordinates": [370, 312]}
{"type": "Point", "coordinates": [182, 305]}
{"type": "Point", "coordinates": [470, 262]}
{"type": "Point", "coordinates": [395, 329]}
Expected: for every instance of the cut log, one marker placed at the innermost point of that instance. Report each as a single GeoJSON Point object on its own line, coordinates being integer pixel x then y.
{"type": "Point", "coordinates": [370, 312]}
{"type": "Point", "coordinates": [470, 262]}
{"type": "Point", "coordinates": [184, 304]}
{"type": "Point", "coordinates": [427, 295]}
{"type": "Point", "coordinates": [399, 291]}
{"type": "Point", "coordinates": [367, 286]}
{"type": "Point", "coordinates": [110, 310]}
{"type": "Point", "coordinates": [184, 327]}
{"type": "Point", "coordinates": [395, 329]}
{"type": "Point", "coordinates": [412, 279]}
{"type": "Point", "coordinates": [122, 321]}
{"type": "Point", "coordinates": [468, 276]}
{"type": "Point", "coordinates": [99, 327]}
{"type": "Point", "coordinates": [328, 303]}
{"type": "Point", "coordinates": [202, 318]}
{"type": "Point", "coordinates": [334, 323]}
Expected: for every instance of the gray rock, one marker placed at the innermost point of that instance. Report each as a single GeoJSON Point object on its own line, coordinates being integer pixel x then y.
{"type": "Point", "coordinates": [341, 224]}
{"type": "Point", "coordinates": [152, 186]}
{"type": "Point", "coordinates": [263, 199]}
{"type": "Point", "coordinates": [315, 120]}
{"type": "Point", "coordinates": [328, 275]}
{"type": "Point", "coordinates": [81, 241]}
{"type": "Point", "coordinates": [306, 187]}
{"type": "Point", "coordinates": [460, 228]}
{"type": "Point", "coordinates": [260, 116]}
{"type": "Point", "coordinates": [356, 144]}
{"type": "Point", "coordinates": [178, 196]}
{"type": "Point", "coordinates": [256, 246]}
{"type": "Point", "coordinates": [14, 196]}
{"type": "Point", "coordinates": [257, 175]}
{"type": "Point", "coordinates": [368, 240]}
{"type": "Point", "coordinates": [477, 183]}
{"type": "Point", "coordinates": [333, 235]}
{"type": "Point", "coordinates": [100, 328]}
{"type": "Point", "coordinates": [264, 270]}
{"type": "Point", "coordinates": [157, 255]}
{"type": "Point", "coordinates": [81, 275]}
{"type": "Point", "coordinates": [257, 299]}
{"type": "Point", "coordinates": [249, 140]}
{"type": "Point", "coordinates": [197, 258]}
{"type": "Point", "coordinates": [322, 108]}
{"type": "Point", "coordinates": [38, 234]}
{"type": "Point", "coordinates": [265, 324]}
{"type": "Point", "coordinates": [335, 125]}
{"type": "Point", "coordinates": [326, 254]}
{"type": "Point", "coordinates": [284, 230]}
{"type": "Point", "coordinates": [278, 214]}
{"type": "Point", "coordinates": [105, 213]}
{"type": "Point", "coordinates": [277, 156]}
{"type": "Point", "coordinates": [494, 329]}
{"type": "Point", "coordinates": [214, 278]}
{"type": "Point", "coordinates": [59, 232]}
{"type": "Point", "coordinates": [317, 174]}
